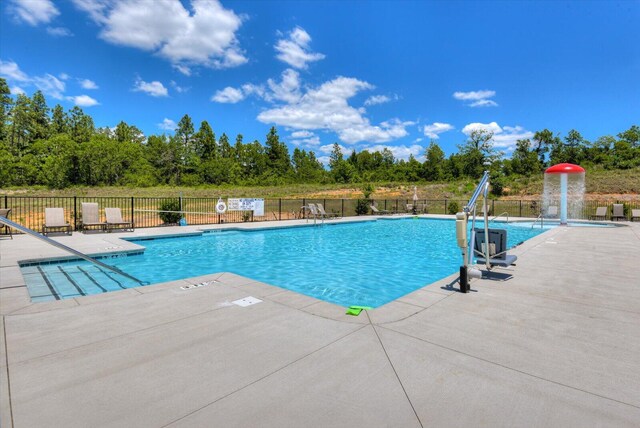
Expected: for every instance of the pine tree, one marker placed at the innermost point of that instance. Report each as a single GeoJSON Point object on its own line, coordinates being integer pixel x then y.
{"type": "Point", "coordinates": [59, 121]}
{"type": "Point", "coordinates": [5, 107]}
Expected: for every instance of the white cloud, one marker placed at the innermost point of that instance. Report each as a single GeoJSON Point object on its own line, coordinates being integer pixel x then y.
{"type": "Point", "coordinates": [294, 50]}
{"type": "Point", "coordinates": [155, 88]}
{"type": "Point", "coordinates": [179, 89]}
{"type": "Point", "coordinates": [16, 90]}
{"type": "Point", "coordinates": [483, 103]}
{"type": "Point", "coordinates": [473, 95]}
{"type": "Point", "coordinates": [477, 98]}
{"type": "Point", "coordinates": [204, 35]}
{"type": "Point", "coordinates": [287, 90]}
{"type": "Point", "coordinates": [304, 138]}
{"type": "Point", "coordinates": [167, 125]}
{"type": "Point", "coordinates": [64, 76]}
{"type": "Point", "coordinates": [88, 84]}
{"type": "Point", "coordinates": [10, 70]}
{"type": "Point", "coordinates": [436, 128]}
{"type": "Point", "coordinates": [49, 85]}
{"type": "Point", "coordinates": [377, 99]}
{"type": "Point", "coordinates": [301, 134]}
{"type": "Point", "coordinates": [83, 101]}
{"type": "Point", "coordinates": [251, 89]}
{"type": "Point", "coordinates": [489, 127]}
{"type": "Point", "coordinates": [33, 12]}
{"type": "Point", "coordinates": [183, 69]}
{"type": "Point", "coordinates": [326, 108]}
{"type": "Point", "coordinates": [228, 95]}
{"type": "Point", "coordinates": [59, 32]}
{"type": "Point", "coordinates": [503, 137]}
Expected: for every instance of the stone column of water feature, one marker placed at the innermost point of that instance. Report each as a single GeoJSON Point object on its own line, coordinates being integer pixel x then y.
{"type": "Point", "coordinates": [564, 187]}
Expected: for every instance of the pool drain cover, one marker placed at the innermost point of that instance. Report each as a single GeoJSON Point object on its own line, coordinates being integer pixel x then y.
{"type": "Point", "coordinates": [247, 301]}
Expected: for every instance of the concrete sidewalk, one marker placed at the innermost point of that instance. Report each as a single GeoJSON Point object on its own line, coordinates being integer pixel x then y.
{"type": "Point", "coordinates": [557, 344]}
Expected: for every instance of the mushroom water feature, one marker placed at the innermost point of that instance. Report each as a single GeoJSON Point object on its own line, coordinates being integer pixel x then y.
{"type": "Point", "coordinates": [564, 186]}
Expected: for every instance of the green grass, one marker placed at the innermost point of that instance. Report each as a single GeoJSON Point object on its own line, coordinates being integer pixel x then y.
{"type": "Point", "coordinates": [599, 183]}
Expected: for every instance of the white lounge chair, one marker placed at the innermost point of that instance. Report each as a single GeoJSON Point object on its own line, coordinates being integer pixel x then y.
{"type": "Point", "coordinates": [377, 211]}
{"type": "Point", "coordinates": [325, 214]}
{"type": "Point", "coordinates": [91, 216]}
{"type": "Point", "coordinates": [635, 215]}
{"type": "Point", "coordinates": [552, 211]}
{"type": "Point", "coordinates": [54, 220]}
{"type": "Point", "coordinates": [497, 248]}
{"type": "Point", "coordinates": [115, 220]}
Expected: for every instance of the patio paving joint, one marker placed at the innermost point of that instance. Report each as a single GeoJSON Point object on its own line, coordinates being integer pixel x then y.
{"type": "Point", "coordinates": [266, 376]}
{"type": "Point", "coordinates": [6, 358]}
{"type": "Point", "coordinates": [395, 373]}
{"type": "Point", "coordinates": [512, 369]}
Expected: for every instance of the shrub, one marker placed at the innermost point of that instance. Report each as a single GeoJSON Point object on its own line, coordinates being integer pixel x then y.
{"type": "Point", "coordinates": [170, 205]}
{"type": "Point", "coordinates": [362, 207]}
{"type": "Point", "coordinates": [453, 208]}
{"type": "Point", "coordinates": [367, 190]}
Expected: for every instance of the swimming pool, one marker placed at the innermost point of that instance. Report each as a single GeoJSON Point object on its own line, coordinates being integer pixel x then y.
{"type": "Point", "coordinates": [365, 263]}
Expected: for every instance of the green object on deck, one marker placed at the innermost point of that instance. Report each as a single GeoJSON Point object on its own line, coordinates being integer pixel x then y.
{"type": "Point", "coordinates": [355, 310]}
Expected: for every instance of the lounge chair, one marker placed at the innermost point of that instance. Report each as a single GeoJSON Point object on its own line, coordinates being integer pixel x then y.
{"type": "Point", "coordinates": [497, 248]}
{"type": "Point", "coordinates": [635, 215]}
{"type": "Point", "coordinates": [552, 211]}
{"type": "Point", "coordinates": [54, 220]}
{"type": "Point", "coordinates": [4, 212]}
{"type": "Point", "coordinates": [115, 220]}
{"type": "Point", "coordinates": [375, 210]}
{"type": "Point", "coordinates": [618, 212]}
{"type": "Point", "coordinates": [325, 214]}
{"type": "Point", "coordinates": [409, 208]}
{"type": "Point", "coordinates": [91, 217]}
{"type": "Point", "coordinates": [601, 214]}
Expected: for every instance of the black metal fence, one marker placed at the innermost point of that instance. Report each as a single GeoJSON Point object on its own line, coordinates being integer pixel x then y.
{"type": "Point", "coordinates": [29, 210]}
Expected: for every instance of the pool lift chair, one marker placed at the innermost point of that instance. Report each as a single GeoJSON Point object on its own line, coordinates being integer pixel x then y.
{"type": "Point", "coordinates": [491, 255]}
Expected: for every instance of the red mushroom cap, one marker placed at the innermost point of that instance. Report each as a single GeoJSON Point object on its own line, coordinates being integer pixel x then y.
{"type": "Point", "coordinates": [567, 168]}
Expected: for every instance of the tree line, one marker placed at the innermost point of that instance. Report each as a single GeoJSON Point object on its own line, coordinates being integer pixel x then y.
{"type": "Point", "coordinates": [40, 145]}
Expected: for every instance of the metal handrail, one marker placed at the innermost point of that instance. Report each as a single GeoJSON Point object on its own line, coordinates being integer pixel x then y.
{"type": "Point", "coordinates": [500, 215]}
{"type": "Point", "coordinates": [57, 244]}
{"type": "Point", "coordinates": [541, 218]}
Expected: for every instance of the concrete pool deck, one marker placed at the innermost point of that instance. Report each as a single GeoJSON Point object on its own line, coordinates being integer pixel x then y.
{"type": "Point", "coordinates": [556, 344]}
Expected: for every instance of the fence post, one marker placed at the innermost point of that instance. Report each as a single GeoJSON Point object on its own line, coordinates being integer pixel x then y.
{"type": "Point", "coordinates": [75, 213]}
{"type": "Point", "coordinates": [6, 201]}
{"type": "Point", "coordinates": [279, 208]}
{"type": "Point", "coordinates": [520, 207]}
{"type": "Point", "coordinates": [342, 206]}
{"type": "Point", "coordinates": [304, 204]}
{"type": "Point", "coordinates": [445, 205]}
{"type": "Point", "coordinates": [132, 222]}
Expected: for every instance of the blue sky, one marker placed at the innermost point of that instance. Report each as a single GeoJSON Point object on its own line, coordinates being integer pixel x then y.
{"type": "Point", "coordinates": [364, 74]}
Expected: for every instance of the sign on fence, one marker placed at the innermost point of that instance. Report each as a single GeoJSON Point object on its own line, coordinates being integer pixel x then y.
{"type": "Point", "coordinates": [247, 204]}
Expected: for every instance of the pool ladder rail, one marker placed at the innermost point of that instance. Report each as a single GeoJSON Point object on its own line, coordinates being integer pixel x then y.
{"type": "Point", "coordinates": [541, 218]}
{"type": "Point", "coordinates": [505, 214]}
{"type": "Point", "coordinates": [21, 228]}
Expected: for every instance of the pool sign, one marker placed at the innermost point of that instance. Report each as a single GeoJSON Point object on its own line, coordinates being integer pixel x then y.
{"type": "Point", "coordinates": [246, 204]}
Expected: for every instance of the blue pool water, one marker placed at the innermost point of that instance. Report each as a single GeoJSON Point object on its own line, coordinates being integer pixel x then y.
{"type": "Point", "coordinates": [365, 263]}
